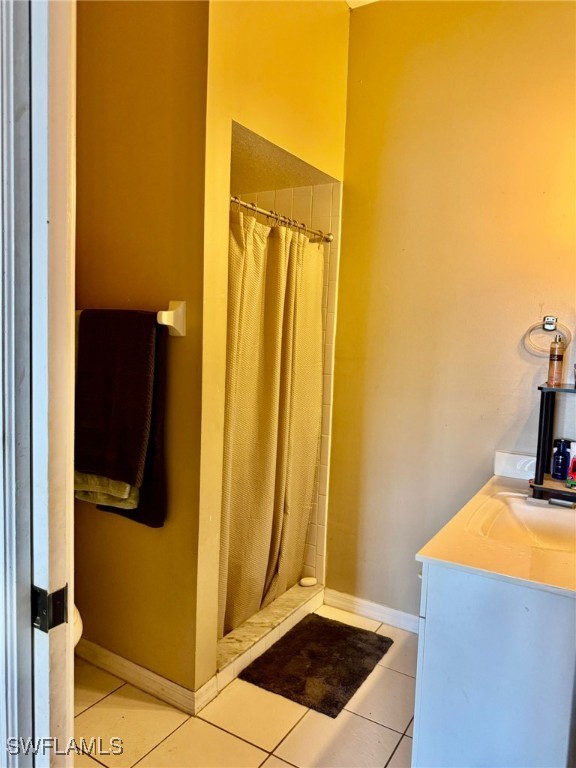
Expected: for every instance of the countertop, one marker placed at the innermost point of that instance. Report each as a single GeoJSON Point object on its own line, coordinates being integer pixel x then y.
{"type": "Point", "coordinates": [458, 547]}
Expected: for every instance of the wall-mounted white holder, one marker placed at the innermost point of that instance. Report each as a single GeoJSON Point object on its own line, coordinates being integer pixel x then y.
{"type": "Point", "coordinates": [549, 323]}
{"type": "Point", "coordinates": [174, 317]}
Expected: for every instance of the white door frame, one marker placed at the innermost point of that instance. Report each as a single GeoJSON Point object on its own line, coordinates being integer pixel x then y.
{"type": "Point", "coordinates": [37, 367]}
{"type": "Point", "coordinates": [16, 703]}
{"type": "Point", "coordinates": [53, 97]}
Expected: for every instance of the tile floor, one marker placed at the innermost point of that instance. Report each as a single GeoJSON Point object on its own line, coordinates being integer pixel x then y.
{"type": "Point", "coordinates": [247, 727]}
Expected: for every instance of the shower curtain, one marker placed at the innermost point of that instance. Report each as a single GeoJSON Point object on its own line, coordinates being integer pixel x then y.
{"type": "Point", "coordinates": [273, 413]}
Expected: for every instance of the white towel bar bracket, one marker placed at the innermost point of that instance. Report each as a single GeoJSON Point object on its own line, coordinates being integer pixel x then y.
{"type": "Point", "coordinates": [174, 317]}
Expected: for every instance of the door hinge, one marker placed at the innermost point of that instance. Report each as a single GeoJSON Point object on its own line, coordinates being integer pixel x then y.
{"type": "Point", "coordinates": [49, 609]}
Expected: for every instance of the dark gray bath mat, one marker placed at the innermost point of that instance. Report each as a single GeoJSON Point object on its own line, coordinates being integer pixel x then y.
{"type": "Point", "coordinates": [319, 663]}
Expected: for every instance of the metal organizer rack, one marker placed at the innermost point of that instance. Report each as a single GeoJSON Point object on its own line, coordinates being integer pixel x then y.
{"type": "Point", "coordinates": [543, 485]}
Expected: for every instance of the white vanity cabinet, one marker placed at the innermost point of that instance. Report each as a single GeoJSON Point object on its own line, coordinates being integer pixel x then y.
{"type": "Point", "coordinates": [496, 671]}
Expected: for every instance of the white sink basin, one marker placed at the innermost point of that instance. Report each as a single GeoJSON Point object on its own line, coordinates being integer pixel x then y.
{"type": "Point", "coordinates": [515, 518]}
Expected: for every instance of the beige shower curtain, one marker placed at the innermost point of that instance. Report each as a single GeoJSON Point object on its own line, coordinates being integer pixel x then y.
{"type": "Point", "coordinates": [272, 415]}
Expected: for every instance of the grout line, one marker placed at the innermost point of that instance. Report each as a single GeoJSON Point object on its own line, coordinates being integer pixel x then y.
{"type": "Point", "coordinates": [389, 727]}
{"type": "Point", "coordinates": [400, 742]}
{"type": "Point", "coordinates": [391, 669]}
{"type": "Point", "coordinates": [91, 757]}
{"type": "Point", "coordinates": [102, 699]}
{"type": "Point", "coordinates": [221, 728]}
{"type": "Point", "coordinates": [156, 745]}
{"type": "Point", "coordinates": [408, 726]}
{"type": "Point", "coordinates": [284, 760]}
{"type": "Point", "coordinates": [394, 751]}
{"type": "Point", "coordinates": [290, 731]}
{"type": "Point", "coordinates": [384, 666]}
{"type": "Point", "coordinates": [283, 739]}
{"type": "Point", "coordinates": [162, 741]}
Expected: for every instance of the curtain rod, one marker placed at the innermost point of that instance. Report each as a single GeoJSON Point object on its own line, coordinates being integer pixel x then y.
{"type": "Point", "coordinates": [324, 237]}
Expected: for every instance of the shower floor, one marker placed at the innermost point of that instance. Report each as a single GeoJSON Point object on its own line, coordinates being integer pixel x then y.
{"type": "Point", "coordinates": [292, 604]}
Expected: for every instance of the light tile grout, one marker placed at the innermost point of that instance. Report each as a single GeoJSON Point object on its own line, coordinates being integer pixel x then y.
{"type": "Point", "coordinates": [291, 729]}
{"type": "Point", "coordinates": [283, 739]}
{"type": "Point", "coordinates": [102, 699]}
{"type": "Point", "coordinates": [284, 760]}
{"type": "Point", "coordinates": [412, 677]}
{"type": "Point", "coordinates": [162, 740]}
{"type": "Point", "coordinates": [396, 748]}
{"type": "Point", "coordinates": [394, 752]}
{"type": "Point", "coordinates": [221, 728]}
{"type": "Point", "coordinates": [91, 757]}
{"type": "Point", "coordinates": [389, 727]}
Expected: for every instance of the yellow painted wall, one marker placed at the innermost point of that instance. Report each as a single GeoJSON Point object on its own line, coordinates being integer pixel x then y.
{"type": "Point", "coordinates": [141, 134]}
{"type": "Point", "coordinates": [279, 69]}
{"type": "Point", "coordinates": [458, 234]}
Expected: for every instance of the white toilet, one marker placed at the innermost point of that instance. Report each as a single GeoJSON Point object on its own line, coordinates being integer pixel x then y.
{"type": "Point", "coordinates": [76, 625]}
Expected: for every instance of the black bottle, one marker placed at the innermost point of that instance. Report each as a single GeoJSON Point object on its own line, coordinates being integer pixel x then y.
{"type": "Point", "coordinates": [561, 458]}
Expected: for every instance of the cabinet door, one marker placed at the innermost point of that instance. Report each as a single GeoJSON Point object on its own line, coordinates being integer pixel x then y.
{"type": "Point", "coordinates": [496, 674]}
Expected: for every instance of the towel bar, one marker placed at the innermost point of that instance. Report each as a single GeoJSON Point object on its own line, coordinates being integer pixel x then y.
{"type": "Point", "coordinates": [174, 317]}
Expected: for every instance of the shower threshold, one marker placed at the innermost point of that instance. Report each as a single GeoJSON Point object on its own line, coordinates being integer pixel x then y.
{"type": "Point", "coordinates": [258, 633]}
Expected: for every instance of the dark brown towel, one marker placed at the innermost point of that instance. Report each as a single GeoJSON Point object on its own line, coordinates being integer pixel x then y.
{"type": "Point", "coordinates": [120, 404]}
{"type": "Point", "coordinates": [153, 502]}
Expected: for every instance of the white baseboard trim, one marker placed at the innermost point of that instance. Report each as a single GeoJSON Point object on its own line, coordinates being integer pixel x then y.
{"type": "Point", "coordinates": [148, 681]}
{"type": "Point", "coordinates": [371, 610]}
{"type": "Point", "coordinates": [205, 694]}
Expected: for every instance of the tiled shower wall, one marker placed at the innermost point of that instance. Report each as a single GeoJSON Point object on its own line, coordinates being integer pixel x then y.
{"type": "Point", "coordinates": [319, 208]}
